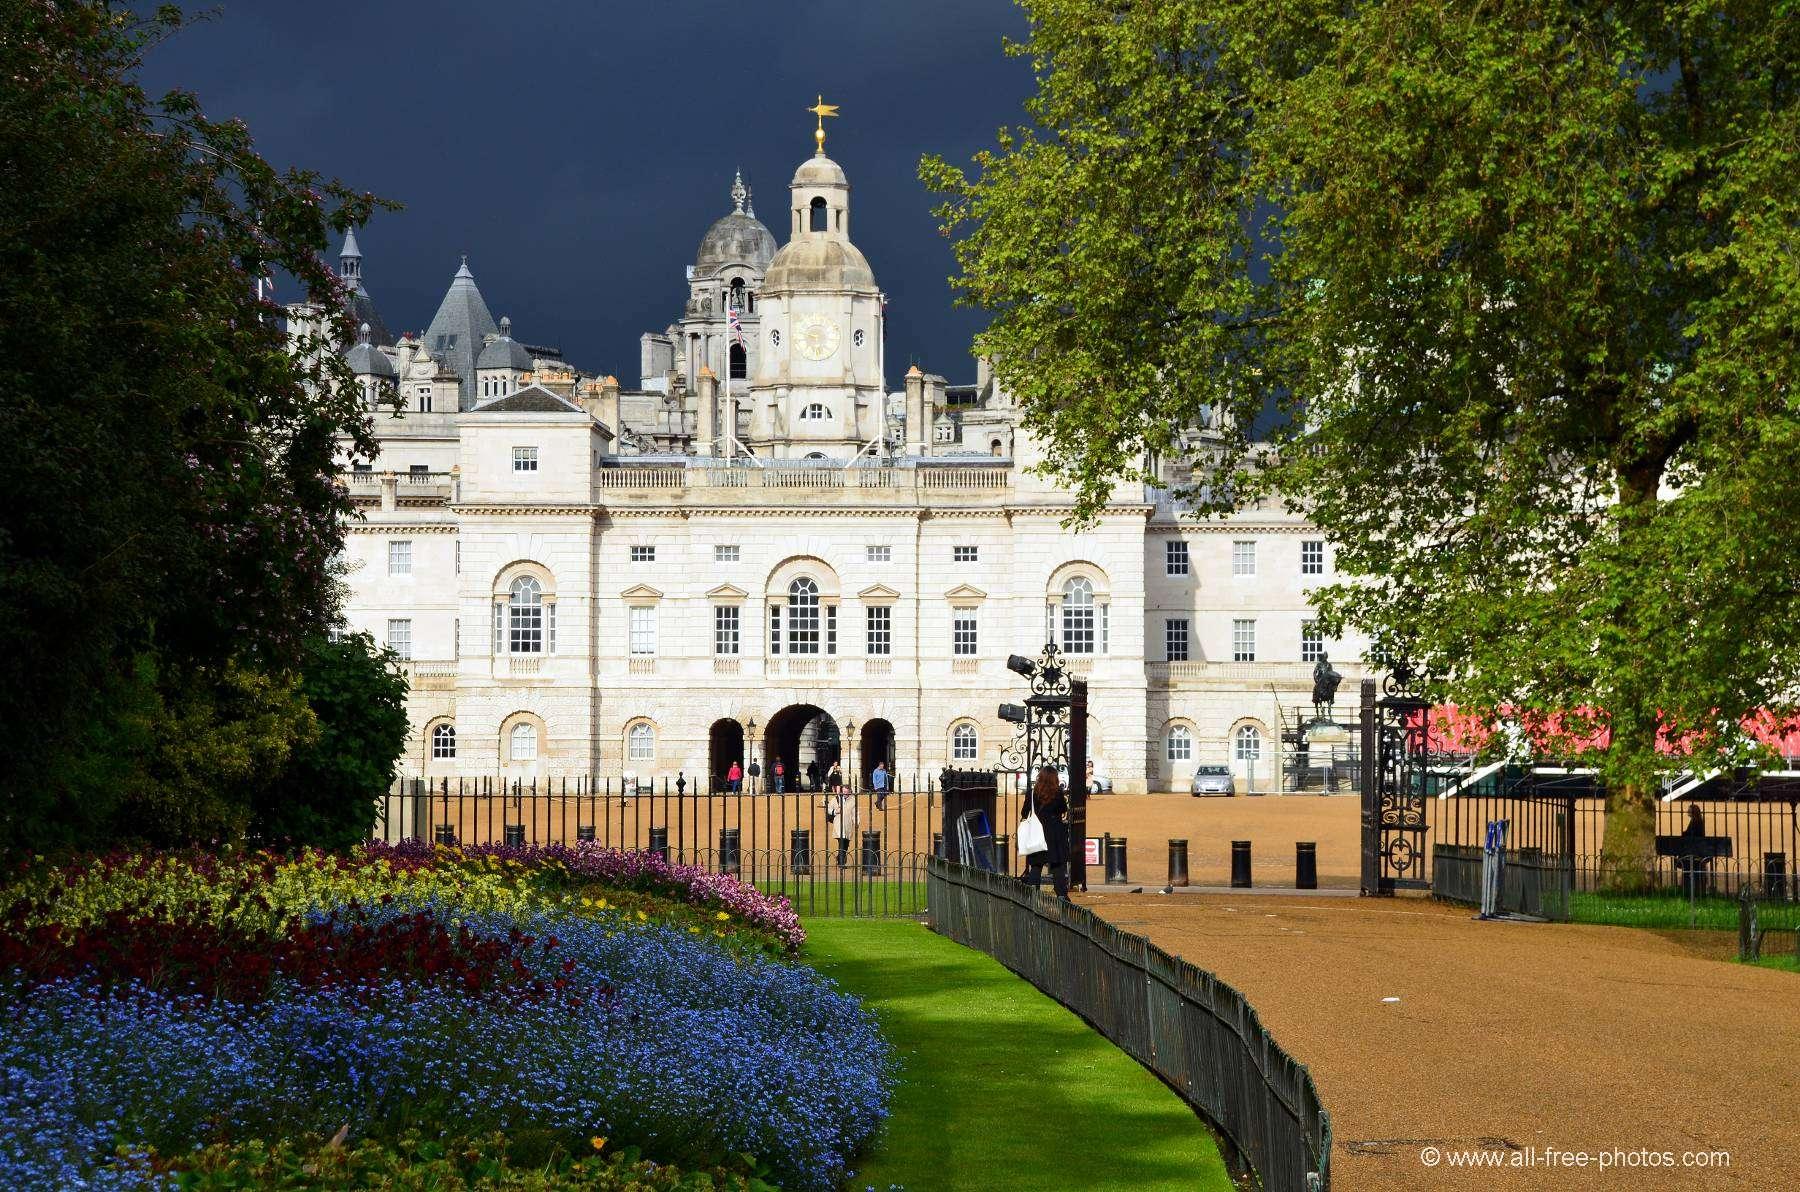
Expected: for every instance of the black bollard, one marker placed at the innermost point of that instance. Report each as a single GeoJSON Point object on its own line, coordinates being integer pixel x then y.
{"type": "Point", "coordinates": [659, 842]}
{"type": "Point", "coordinates": [1115, 859]}
{"type": "Point", "coordinates": [871, 853]}
{"type": "Point", "coordinates": [800, 851]}
{"type": "Point", "coordinates": [1240, 864]}
{"type": "Point", "coordinates": [937, 844]}
{"type": "Point", "coordinates": [1002, 843]}
{"type": "Point", "coordinates": [730, 853]}
{"type": "Point", "coordinates": [1306, 865]}
{"type": "Point", "coordinates": [514, 836]}
{"type": "Point", "coordinates": [1178, 869]}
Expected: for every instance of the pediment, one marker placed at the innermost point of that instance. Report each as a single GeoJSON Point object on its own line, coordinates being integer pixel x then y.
{"type": "Point", "coordinates": [965, 592]}
{"type": "Point", "coordinates": [728, 592]}
{"type": "Point", "coordinates": [640, 592]}
{"type": "Point", "coordinates": [877, 592]}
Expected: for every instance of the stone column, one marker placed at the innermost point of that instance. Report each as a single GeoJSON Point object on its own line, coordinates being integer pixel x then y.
{"type": "Point", "coordinates": [918, 433]}
{"type": "Point", "coordinates": [709, 400]}
{"type": "Point", "coordinates": [390, 484]}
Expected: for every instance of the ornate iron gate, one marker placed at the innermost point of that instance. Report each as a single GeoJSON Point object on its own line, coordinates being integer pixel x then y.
{"type": "Point", "coordinates": [1395, 738]}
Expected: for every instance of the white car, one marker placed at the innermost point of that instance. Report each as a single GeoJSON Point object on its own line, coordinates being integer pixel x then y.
{"type": "Point", "coordinates": [1099, 781]}
{"type": "Point", "coordinates": [1213, 780]}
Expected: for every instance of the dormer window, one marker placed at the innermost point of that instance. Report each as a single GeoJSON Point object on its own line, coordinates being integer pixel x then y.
{"type": "Point", "coordinates": [815, 413]}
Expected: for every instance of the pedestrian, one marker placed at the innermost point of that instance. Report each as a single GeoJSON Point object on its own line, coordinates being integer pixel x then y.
{"type": "Point", "coordinates": [840, 816]}
{"type": "Point", "coordinates": [879, 781]}
{"type": "Point", "coordinates": [734, 778]}
{"type": "Point", "coordinates": [835, 779]}
{"type": "Point", "coordinates": [1050, 805]}
{"type": "Point", "coordinates": [812, 773]}
{"type": "Point", "coordinates": [780, 777]}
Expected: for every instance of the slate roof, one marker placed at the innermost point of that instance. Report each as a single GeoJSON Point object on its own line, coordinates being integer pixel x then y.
{"type": "Point", "coordinates": [365, 359]}
{"type": "Point", "coordinates": [459, 329]}
{"type": "Point", "coordinates": [505, 352]}
{"type": "Point", "coordinates": [533, 399]}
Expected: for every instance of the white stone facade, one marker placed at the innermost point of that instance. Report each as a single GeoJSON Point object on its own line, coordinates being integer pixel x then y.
{"type": "Point", "coordinates": [564, 563]}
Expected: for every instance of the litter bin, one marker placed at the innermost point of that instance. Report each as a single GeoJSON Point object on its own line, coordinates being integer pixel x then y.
{"type": "Point", "coordinates": [659, 842]}
{"type": "Point", "coordinates": [800, 851]}
{"type": "Point", "coordinates": [1002, 863]}
{"type": "Point", "coordinates": [515, 835]}
{"type": "Point", "coordinates": [446, 834]}
{"type": "Point", "coordinates": [1115, 859]}
{"type": "Point", "coordinates": [1178, 863]}
{"type": "Point", "coordinates": [1775, 877]}
{"type": "Point", "coordinates": [730, 853]}
{"type": "Point", "coordinates": [871, 853]}
{"type": "Point", "coordinates": [1240, 864]}
{"type": "Point", "coordinates": [1306, 865]}
{"type": "Point", "coordinates": [584, 832]}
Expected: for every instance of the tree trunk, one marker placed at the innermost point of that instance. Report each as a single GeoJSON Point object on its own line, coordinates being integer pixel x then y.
{"type": "Point", "coordinates": [1628, 849]}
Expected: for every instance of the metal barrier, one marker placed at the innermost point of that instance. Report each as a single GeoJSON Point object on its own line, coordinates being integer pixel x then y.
{"type": "Point", "coordinates": [1184, 1024]}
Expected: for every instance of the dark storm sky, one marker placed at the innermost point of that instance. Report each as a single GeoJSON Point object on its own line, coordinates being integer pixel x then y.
{"type": "Point", "coordinates": [578, 151]}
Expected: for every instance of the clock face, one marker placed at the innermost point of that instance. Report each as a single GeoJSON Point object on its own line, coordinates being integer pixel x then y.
{"type": "Point", "coordinates": [815, 337]}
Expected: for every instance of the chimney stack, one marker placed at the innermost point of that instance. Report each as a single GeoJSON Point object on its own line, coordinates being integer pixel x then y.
{"type": "Point", "coordinates": [709, 400]}
{"type": "Point", "coordinates": [918, 433]}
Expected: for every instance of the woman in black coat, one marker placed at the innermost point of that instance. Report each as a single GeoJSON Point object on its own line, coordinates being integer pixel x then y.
{"type": "Point", "coordinates": [1051, 805]}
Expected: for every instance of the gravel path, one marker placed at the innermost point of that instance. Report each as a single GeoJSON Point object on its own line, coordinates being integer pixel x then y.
{"type": "Point", "coordinates": [1507, 1038]}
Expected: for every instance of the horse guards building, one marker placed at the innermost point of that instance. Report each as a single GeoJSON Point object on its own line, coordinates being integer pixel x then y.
{"type": "Point", "coordinates": [758, 551]}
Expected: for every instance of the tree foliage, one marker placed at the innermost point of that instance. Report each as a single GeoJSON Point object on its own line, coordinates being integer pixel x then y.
{"type": "Point", "coordinates": [1518, 283]}
{"type": "Point", "coordinates": [167, 509]}
{"type": "Point", "coordinates": [328, 793]}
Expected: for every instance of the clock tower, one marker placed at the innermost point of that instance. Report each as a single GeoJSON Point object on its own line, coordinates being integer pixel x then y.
{"type": "Point", "coordinates": [818, 389]}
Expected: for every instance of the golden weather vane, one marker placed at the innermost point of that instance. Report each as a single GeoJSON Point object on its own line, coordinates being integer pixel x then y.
{"type": "Point", "coordinates": [821, 109]}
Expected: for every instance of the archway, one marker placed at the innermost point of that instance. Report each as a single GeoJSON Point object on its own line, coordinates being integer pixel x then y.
{"type": "Point", "coordinates": [725, 744]}
{"type": "Point", "coordinates": [875, 744]}
{"type": "Point", "coordinates": [801, 735]}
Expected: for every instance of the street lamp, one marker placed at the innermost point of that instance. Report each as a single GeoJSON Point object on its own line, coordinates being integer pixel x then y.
{"type": "Point", "coordinates": [750, 754]}
{"type": "Point", "coordinates": [845, 737]}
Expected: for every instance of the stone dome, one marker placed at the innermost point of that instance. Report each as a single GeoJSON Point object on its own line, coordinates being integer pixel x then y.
{"type": "Point", "coordinates": [813, 263]}
{"type": "Point", "coordinates": [367, 360]}
{"type": "Point", "coordinates": [819, 170]}
{"type": "Point", "coordinates": [736, 239]}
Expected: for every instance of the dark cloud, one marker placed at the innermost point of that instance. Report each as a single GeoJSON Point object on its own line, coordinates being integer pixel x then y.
{"type": "Point", "coordinates": [577, 151]}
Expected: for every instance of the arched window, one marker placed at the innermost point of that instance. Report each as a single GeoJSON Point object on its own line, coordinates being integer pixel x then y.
{"type": "Point", "coordinates": [803, 617]}
{"type": "Point", "coordinates": [1247, 744]}
{"type": "Point", "coordinates": [996, 448]}
{"type": "Point", "coordinates": [523, 743]}
{"type": "Point", "coordinates": [525, 616]}
{"type": "Point", "coordinates": [815, 413]}
{"type": "Point", "coordinates": [641, 743]}
{"type": "Point", "coordinates": [819, 220]}
{"type": "Point", "coordinates": [774, 338]}
{"type": "Point", "coordinates": [443, 741]}
{"type": "Point", "coordinates": [814, 455]}
{"type": "Point", "coordinates": [1180, 744]}
{"type": "Point", "coordinates": [1078, 616]}
{"type": "Point", "coordinates": [964, 744]}
{"type": "Point", "coordinates": [739, 363]}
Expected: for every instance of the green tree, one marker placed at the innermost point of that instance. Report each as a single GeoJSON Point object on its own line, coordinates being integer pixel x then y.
{"type": "Point", "coordinates": [166, 463]}
{"type": "Point", "coordinates": [1510, 293]}
{"type": "Point", "coordinates": [329, 792]}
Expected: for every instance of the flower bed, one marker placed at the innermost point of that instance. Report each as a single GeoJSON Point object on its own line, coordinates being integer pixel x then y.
{"type": "Point", "coordinates": [559, 996]}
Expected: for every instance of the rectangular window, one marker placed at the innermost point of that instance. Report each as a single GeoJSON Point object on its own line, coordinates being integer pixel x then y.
{"type": "Point", "coordinates": [524, 459]}
{"type": "Point", "coordinates": [425, 400]}
{"type": "Point", "coordinates": [362, 469]}
{"type": "Point", "coordinates": [963, 633]}
{"type": "Point", "coordinates": [1312, 557]}
{"type": "Point", "coordinates": [1243, 558]}
{"type": "Point", "coordinates": [725, 628]}
{"type": "Point", "coordinates": [419, 470]}
{"type": "Point", "coordinates": [459, 556]}
{"type": "Point", "coordinates": [643, 629]}
{"type": "Point", "coordinates": [1175, 639]}
{"type": "Point", "coordinates": [1312, 642]}
{"type": "Point", "coordinates": [878, 554]}
{"type": "Point", "coordinates": [964, 554]}
{"type": "Point", "coordinates": [831, 629]}
{"type": "Point", "coordinates": [643, 554]}
{"type": "Point", "coordinates": [725, 554]}
{"type": "Point", "coordinates": [525, 627]}
{"type": "Point", "coordinates": [1243, 641]}
{"type": "Point", "coordinates": [878, 627]}
{"type": "Point", "coordinates": [399, 638]}
{"type": "Point", "coordinates": [774, 627]}
{"type": "Point", "coordinates": [1175, 556]}
{"type": "Point", "coordinates": [499, 628]}
{"type": "Point", "coordinates": [400, 557]}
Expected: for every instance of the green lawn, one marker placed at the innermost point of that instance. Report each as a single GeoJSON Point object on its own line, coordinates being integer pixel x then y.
{"type": "Point", "coordinates": [1000, 1087]}
{"type": "Point", "coordinates": [868, 896]}
{"type": "Point", "coordinates": [1672, 910]}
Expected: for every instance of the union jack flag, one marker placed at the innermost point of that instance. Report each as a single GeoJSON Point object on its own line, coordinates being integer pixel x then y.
{"type": "Point", "coordinates": [737, 328]}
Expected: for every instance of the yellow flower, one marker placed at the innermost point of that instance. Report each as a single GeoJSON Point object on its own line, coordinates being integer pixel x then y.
{"type": "Point", "coordinates": [694, 930]}
{"type": "Point", "coordinates": [597, 1141]}
{"type": "Point", "coordinates": [722, 916]}
{"type": "Point", "coordinates": [587, 902]}
{"type": "Point", "coordinates": [642, 915]}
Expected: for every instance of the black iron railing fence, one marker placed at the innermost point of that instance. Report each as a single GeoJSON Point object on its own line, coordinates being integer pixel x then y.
{"type": "Point", "coordinates": [1184, 1024]}
{"type": "Point", "coordinates": [858, 853]}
